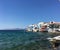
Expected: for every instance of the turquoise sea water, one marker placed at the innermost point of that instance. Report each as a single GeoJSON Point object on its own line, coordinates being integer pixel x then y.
{"type": "Point", "coordinates": [22, 40]}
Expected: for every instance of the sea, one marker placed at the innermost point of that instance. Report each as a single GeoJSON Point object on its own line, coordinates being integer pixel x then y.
{"type": "Point", "coordinates": [23, 40]}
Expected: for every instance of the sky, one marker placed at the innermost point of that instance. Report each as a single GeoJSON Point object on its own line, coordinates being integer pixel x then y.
{"type": "Point", "coordinates": [21, 13]}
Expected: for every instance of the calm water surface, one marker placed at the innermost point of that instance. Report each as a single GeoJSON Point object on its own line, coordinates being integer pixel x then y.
{"type": "Point", "coordinates": [22, 40]}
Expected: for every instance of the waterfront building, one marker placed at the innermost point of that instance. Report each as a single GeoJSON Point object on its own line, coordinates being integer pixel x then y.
{"type": "Point", "coordinates": [40, 24]}
{"type": "Point", "coordinates": [51, 27]}
{"type": "Point", "coordinates": [35, 28]}
{"type": "Point", "coordinates": [30, 27]}
{"type": "Point", "coordinates": [43, 26]}
{"type": "Point", "coordinates": [54, 27]}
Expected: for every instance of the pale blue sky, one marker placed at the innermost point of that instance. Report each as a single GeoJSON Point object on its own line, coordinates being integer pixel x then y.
{"type": "Point", "coordinates": [21, 13]}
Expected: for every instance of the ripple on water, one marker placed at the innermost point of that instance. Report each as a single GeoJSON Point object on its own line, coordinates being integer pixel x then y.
{"type": "Point", "coordinates": [21, 40]}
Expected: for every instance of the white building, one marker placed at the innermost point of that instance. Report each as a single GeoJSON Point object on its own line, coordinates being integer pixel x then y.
{"type": "Point", "coordinates": [32, 27]}
{"type": "Point", "coordinates": [43, 26]}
